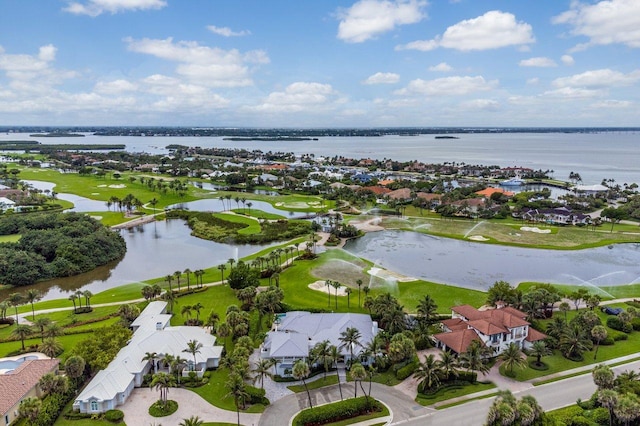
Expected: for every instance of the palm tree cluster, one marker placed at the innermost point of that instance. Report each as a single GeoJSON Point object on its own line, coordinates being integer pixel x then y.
{"type": "Point", "coordinates": [49, 331]}
{"type": "Point", "coordinates": [575, 337]}
{"type": "Point", "coordinates": [240, 371]}
{"type": "Point", "coordinates": [390, 313]}
{"type": "Point", "coordinates": [506, 410]}
{"type": "Point", "coordinates": [619, 395]}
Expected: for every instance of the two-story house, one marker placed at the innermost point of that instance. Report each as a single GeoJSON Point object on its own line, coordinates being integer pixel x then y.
{"type": "Point", "coordinates": [494, 328]}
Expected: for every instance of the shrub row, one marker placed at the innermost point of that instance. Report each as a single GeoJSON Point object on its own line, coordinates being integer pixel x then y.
{"type": "Point", "coordinates": [114, 416]}
{"type": "Point", "coordinates": [617, 324]}
{"type": "Point", "coordinates": [347, 409]}
{"type": "Point", "coordinates": [406, 371]}
{"type": "Point", "coordinates": [256, 395]}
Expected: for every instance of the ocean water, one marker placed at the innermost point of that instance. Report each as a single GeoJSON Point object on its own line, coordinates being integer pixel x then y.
{"type": "Point", "coordinates": [595, 156]}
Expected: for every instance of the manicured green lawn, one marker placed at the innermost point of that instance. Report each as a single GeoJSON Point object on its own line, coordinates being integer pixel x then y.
{"type": "Point", "coordinates": [252, 225]}
{"type": "Point", "coordinates": [215, 392]}
{"type": "Point", "coordinates": [67, 341]}
{"type": "Point", "coordinates": [331, 379]}
{"type": "Point", "coordinates": [450, 393]}
{"type": "Point", "coordinates": [258, 214]}
{"type": "Point", "coordinates": [85, 422]}
{"type": "Point", "coordinates": [618, 292]}
{"type": "Point", "coordinates": [10, 238]}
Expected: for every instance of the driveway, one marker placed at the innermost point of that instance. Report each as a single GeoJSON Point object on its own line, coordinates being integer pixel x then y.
{"type": "Point", "coordinates": [136, 409]}
{"type": "Point", "coordinates": [402, 408]}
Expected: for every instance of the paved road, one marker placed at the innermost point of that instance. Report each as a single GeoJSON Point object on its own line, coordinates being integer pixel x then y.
{"type": "Point", "coordinates": [403, 408]}
{"type": "Point", "coordinates": [550, 396]}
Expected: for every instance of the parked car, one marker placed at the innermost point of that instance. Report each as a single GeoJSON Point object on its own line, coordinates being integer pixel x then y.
{"type": "Point", "coordinates": [611, 311]}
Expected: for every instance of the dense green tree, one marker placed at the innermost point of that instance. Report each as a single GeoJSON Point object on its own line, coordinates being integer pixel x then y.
{"type": "Point", "coordinates": [243, 276]}
{"type": "Point", "coordinates": [512, 357]}
{"type": "Point", "coordinates": [101, 346]}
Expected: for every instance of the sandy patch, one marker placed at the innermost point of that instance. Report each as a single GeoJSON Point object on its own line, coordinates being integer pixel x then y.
{"type": "Point", "coordinates": [96, 217]}
{"type": "Point", "coordinates": [102, 186]}
{"type": "Point", "coordinates": [119, 186]}
{"type": "Point", "coordinates": [314, 203]}
{"type": "Point", "coordinates": [535, 229]}
{"type": "Point", "coordinates": [322, 286]}
{"type": "Point", "coordinates": [478, 238]}
{"type": "Point", "coordinates": [296, 205]}
{"type": "Point", "coordinates": [389, 275]}
{"type": "Point", "coordinates": [369, 225]}
{"type": "Point", "coordinates": [95, 193]}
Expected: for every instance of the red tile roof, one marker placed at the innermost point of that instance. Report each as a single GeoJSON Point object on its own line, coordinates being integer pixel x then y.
{"type": "Point", "coordinates": [458, 340]}
{"type": "Point", "coordinates": [488, 192]}
{"type": "Point", "coordinates": [16, 384]}
{"type": "Point", "coordinates": [534, 335]}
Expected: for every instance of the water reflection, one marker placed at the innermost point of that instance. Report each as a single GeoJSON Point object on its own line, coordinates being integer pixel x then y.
{"type": "Point", "coordinates": [153, 250]}
{"type": "Point", "coordinates": [478, 266]}
{"type": "Point", "coordinates": [80, 204]}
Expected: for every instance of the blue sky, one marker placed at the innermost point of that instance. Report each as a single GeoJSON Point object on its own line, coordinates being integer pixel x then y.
{"type": "Point", "coordinates": [320, 63]}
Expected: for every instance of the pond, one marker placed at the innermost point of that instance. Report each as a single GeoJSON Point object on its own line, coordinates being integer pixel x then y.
{"type": "Point", "coordinates": [217, 205]}
{"type": "Point", "coordinates": [80, 204]}
{"type": "Point", "coordinates": [153, 250]}
{"type": "Point", "coordinates": [478, 266]}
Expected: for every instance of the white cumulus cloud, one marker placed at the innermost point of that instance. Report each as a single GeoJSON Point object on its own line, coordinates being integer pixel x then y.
{"type": "Point", "coordinates": [115, 86]}
{"type": "Point", "coordinates": [448, 86]}
{"type": "Point", "coordinates": [441, 67]}
{"type": "Point", "coordinates": [493, 30]}
{"type": "Point", "coordinates": [227, 32]}
{"type": "Point", "coordinates": [207, 66]}
{"type": "Point", "coordinates": [567, 60]}
{"type": "Point", "coordinates": [481, 105]}
{"type": "Point", "coordinates": [98, 7]}
{"type": "Point", "coordinates": [382, 78]}
{"type": "Point", "coordinates": [298, 97]}
{"type": "Point", "coordinates": [538, 62]}
{"type": "Point", "coordinates": [612, 104]}
{"type": "Point", "coordinates": [367, 19]}
{"type": "Point", "coordinates": [602, 78]}
{"type": "Point", "coordinates": [604, 22]}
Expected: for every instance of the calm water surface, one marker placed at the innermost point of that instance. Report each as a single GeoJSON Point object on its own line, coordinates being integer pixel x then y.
{"type": "Point", "coordinates": [478, 266]}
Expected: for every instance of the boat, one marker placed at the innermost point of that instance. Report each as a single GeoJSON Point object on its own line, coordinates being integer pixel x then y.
{"type": "Point", "coordinates": [515, 181]}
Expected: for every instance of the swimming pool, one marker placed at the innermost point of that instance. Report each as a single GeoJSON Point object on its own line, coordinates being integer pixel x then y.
{"type": "Point", "coordinates": [8, 365]}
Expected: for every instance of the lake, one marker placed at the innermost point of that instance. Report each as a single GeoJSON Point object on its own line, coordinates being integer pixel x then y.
{"type": "Point", "coordinates": [596, 156]}
{"type": "Point", "coordinates": [478, 266]}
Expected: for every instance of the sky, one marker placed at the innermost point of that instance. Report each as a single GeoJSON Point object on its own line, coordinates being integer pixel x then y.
{"type": "Point", "coordinates": [320, 63]}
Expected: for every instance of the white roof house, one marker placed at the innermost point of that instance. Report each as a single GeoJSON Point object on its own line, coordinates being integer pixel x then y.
{"type": "Point", "coordinates": [151, 333]}
{"type": "Point", "coordinates": [6, 203]}
{"type": "Point", "coordinates": [297, 332]}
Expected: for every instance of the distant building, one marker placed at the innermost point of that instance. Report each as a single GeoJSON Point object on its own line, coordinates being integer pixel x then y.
{"type": "Point", "coordinates": [22, 383]}
{"type": "Point", "coordinates": [151, 333]}
{"type": "Point", "coordinates": [556, 216]}
{"type": "Point", "coordinates": [297, 332]}
{"type": "Point", "coordinates": [6, 204]}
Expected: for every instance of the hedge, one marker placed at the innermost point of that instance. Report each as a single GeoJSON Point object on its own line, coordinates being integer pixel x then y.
{"type": "Point", "coordinates": [256, 395]}
{"type": "Point", "coordinates": [406, 371]}
{"type": "Point", "coordinates": [347, 409]}
{"type": "Point", "coordinates": [114, 416]}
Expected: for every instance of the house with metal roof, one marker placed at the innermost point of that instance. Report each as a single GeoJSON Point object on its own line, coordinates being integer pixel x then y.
{"type": "Point", "coordinates": [151, 333]}
{"type": "Point", "coordinates": [297, 332]}
{"type": "Point", "coordinates": [494, 328]}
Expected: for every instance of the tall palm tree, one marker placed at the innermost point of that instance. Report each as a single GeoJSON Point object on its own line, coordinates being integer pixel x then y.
{"type": "Point", "coordinates": [30, 409]}
{"type": "Point", "coordinates": [87, 297]}
{"type": "Point", "coordinates": [162, 382]}
{"type": "Point", "coordinates": [170, 298]}
{"type": "Point", "coordinates": [512, 357]}
{"type": "Point", "coordinates": [608, 398]}
{"type": "Point", "coordinates": [197, 308]}
{"type": "Point", "coordinates": [301, 371]}
{"type": "Point", "coordinates": [31, 296]}
{"type": "Point", "coordinates": [348, 292]}
{"type": "Point", "coordinates": [359, 283]}
{"type": "Point", "coordinates": [193, 348]}
{"type": "Point", "coordinates": [187, 272]}
{"type": "Point", "coordinates": [178, 275]}
{"type": "Point", "coordinates": [627, 409]}
{"type": "Point", "coordinates": [53, 330]}
{"type": "Point", "coordinates": [321, 355]}
{"type": "Point", "coordinates": [427, 310]}
{"type": "Point", "coordinates": [153, 357]}
{"type": "Point", "coordinates": [222, 268]}
{"type": "Point", "coordinates": [237, 390]}
{"type": "Point", "coordinates": [15, 300]}
{"type": "Point", "coordinates": [538, 350]}
{"type": "Point", "coordinates": [358, 374]}
{"type": "Point", "coordinates": [336, 285]}
{"type": "Point", "coordinates": [263, 369]}
{"type": "Point", "coordinates": [473, 358]}
{"type": "Point", "coordinates": [428, 373]}
{"type": "Point", "coordinates": [448, 364]}
{"type": "Point", "coordinates": [186, 311]}
{"type": "Point", "coordinates": [231, 262]}
{"type": "Point", "coordinates": [334, 356]}
{"type": "Point", "coordinates": [599, 333]}
{"type": "Point", "coordinates": [169, 279]}
{"type": "Point", "coordinates": [350, 338]}
{"type": "Point", "coordinates": [22, 331]}
{"type": "Point", "coordinates": [41, 323]}
{"type": "Point", "coordinates": [574, 342]}
{"type": "Point", "coordinates": [329, 283]}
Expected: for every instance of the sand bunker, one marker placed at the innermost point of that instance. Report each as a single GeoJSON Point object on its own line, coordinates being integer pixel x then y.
{"type": "Point", "coordinates": [119, 186]}
{"type": "Point", "coordinates": [389, 275]}
{"type": "Point", "coordinates": [322, 286]}
{"type": "Point", "coordinates": [478, 238]}
{"type": "Point", "coordinates": [293, 205]}
{"type": "Point", "coordinates": [370, 225]}
{"type": "Point", "coordinates": [102, 186]}
{"type": "Point", "coordinates": [535, 229]}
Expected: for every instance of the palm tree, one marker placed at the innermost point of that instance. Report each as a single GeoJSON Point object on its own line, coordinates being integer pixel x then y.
{"type": "Point", "coordinates": [186, 311]}
{"type": "Point", "coordinates": [359, 284]}
{"type": "Point", "coordinates": [30, 409]}
{"type": "Point", "coordinates": [87, 297]}
{"type": "Point", "coordinates": [162, 382]}
{"type": "Point", "coordinates": [348, 292]}
{"type": "Point", "coordinates": [427, 310]}
{"type": "Point", "coordinates": [538, 350]}
{"type": "Point", "coordinates": [627, 409]}
{"type": "Point", "coordinates": [350, 338]}
{"type": "Point", "coordinates": [153, 357]}
{"type": "Point", "coordinates": [429, 373]}
{"type": "Point", "coordinates": [237, 390]}
{"type": "Point", "coordinates": [74, 367]}
{"type": "Point", "coordinates": [187, 272]}
{"type": "Point", "coordinates": [301, 371]}
{"type": "Point", "coordinates": [50, 347]}
{"type": "Point", "coordinates": [328, 283]}
{"type": "Point", "coordinates": [321, 355]}
{"type": "Point", "coordinates": [608, 398]}
{"type": "Point", "coordinates": [358, 374]}
{"type": "Point", "coordinates": [512, 357]}
{"type": "Point", "coordinates": [170, 298]}
{"type": "Point", "coordinates": [603, 376]}
{"type": "Point", "coordinates": [31, 297]}
{"type": "Point", "coordinates": [336, 285]}
{"type": "Point", "coordinates": [473, 358]}
{"type": "Point", "coordinates": [22, 331]}
{"type": "Point", "coordinates": [564, 307]}
{"type": "Point", "coordinates": [15, 300]}
{"type": "Point", "coordinates": [178, 274]}
{"type": "Point", "coordinates": [193, 348]}
{"type": "Point", "coordinates": [448, 364]}
{"type": "Point", "coordinates": [53, 330]}
{"type": "Point", "coordinates": [599, 333]}
{"type": "Point", "coordinates": [40, 323]}
{"type": "Point", "coordinates": [334, 356]}
{"type": "Point", "coordinates": [231, 262]}
{"type": "Point", "coordinates": [197, 307]}
{"type": "Point", "coordinates": [574, 342]}
{"type": "Point", "coordinates": [263, 369]}
{"type": "Point", "coordinates": [191, 421]}
{"type": "Point", "coordinates": [222, 267]}
{"type": "Point", "coordinates": [169, 279]}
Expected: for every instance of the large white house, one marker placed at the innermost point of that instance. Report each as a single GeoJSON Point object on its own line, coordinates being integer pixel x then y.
{"type": "Point", "coordinates": [151, 333]}
{"type": "Point", "coordinates": [494, 328]}
{"type": "Point", "coordinates": [297, 332]}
